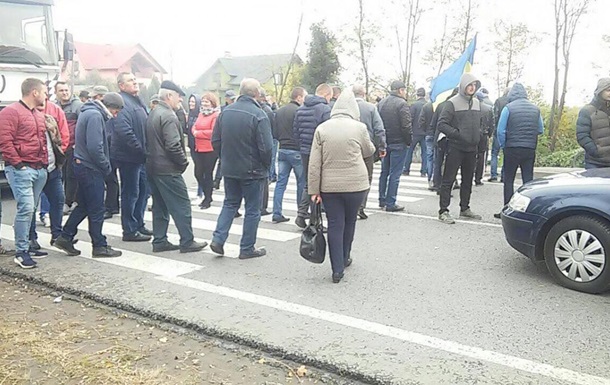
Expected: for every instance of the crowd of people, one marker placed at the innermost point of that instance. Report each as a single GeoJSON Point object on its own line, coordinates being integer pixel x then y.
{"type": "Point", "coordinates": [67, 154]}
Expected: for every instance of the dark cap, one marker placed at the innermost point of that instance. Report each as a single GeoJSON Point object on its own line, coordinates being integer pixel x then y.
{"type": "Point", "coordinates": [396, 85]}
{"type": "Point", "coordinates": [169, 85]}
{"type": "Point", "coordinates": [113, 100]}
{"type": "Point", "coordinates": [421, 92]}
{"type": "Point", "coordinates": [230, 94]}
{"type": "Point", "coordinates": [83, 94]}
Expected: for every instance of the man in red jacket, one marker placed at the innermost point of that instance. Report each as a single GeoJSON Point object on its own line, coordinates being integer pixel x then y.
{"type": "Point", "coordinates": [23, 144]}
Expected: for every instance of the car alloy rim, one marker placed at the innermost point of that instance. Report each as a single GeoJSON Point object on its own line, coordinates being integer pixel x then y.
{"type": "Point", "coordinates": [580, 256]}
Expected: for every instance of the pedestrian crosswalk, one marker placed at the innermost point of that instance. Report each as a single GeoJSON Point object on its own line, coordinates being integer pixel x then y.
{"type": "Point", "coordinates": [139, 256]}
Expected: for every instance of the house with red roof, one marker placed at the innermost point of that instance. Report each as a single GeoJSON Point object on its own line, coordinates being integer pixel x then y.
{"type": "Point", "coordinates": [108, 60]}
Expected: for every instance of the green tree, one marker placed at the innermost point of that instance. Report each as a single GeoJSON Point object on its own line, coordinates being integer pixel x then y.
{"type": "Point", "coordinates": [94, 78]}
{"type": "Point", "coordinates": [323, 62]}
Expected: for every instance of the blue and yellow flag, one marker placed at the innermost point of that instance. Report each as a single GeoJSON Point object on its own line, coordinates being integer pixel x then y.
{"type": "Point", "coordinates": [444, 83]}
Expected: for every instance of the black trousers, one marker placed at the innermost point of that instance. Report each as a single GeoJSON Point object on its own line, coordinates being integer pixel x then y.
{"type": "Point", "coordinates": [341, 212]}
{"type": "Point", "coordinates": [515, 157]}
{"type": "Point", "coordinates": [265, 195]}
{"type": "Point", "coordinates": [439, 159]}
{"type": "Point", "coordinates": [204, 171]}
{"type": "Point", "coordinates": [481, 152]}
{"type": "Point", "coordinates": [70, 183]}
{"type": "Point", "coordinates": [457, 159]}
{"type": "Point", "coordinates": [370, 163]}
{"type": "Point", "coordinates": [112, 192]}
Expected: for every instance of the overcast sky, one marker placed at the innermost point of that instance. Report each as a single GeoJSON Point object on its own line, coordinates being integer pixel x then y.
{"type": "Point", "coordinates": [189, 36]}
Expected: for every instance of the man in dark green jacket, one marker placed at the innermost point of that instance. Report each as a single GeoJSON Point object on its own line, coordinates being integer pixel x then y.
{"type": "Point", "coordinates": [165, 163]}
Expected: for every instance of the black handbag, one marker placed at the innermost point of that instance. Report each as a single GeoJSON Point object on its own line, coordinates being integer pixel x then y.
{"type": "Point", "coordinates": [313, 243]}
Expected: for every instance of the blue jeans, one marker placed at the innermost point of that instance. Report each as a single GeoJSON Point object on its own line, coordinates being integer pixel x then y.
{"type": "Point", "coordinates": [430, 156]}
{"type": "Point", "coordinates": [391, 167]}
{"type": "Point", "coordinates": [44, 204]}
{"type": "Point", "coordinates": [53, 190]}
{"type": "Point", "coordinates": [90, 199]}
{"type": "Point", "coordinates": [288, 160]}
{"type": "Point", "coordinates": [26, 185]}
{"type": "Point", "coordinates": [235, 191]}
{"type": "Point", "coordinates": [272, 170]}
{"type": "Point", "coordinates": [495, 153]}
{"type": "Point", "coordinates": [134, 194]}
{"type": "Point", "coordinates": [421, 140]}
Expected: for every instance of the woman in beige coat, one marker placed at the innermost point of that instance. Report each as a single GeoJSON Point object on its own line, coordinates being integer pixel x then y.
{"type": "Point", "coordinates": [338, 176]}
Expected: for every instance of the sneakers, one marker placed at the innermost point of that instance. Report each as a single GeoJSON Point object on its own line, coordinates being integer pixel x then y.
{"type": "Point", "coordinates": [445, 217]}
{"type": "Point", "coordinates": [24, 261]}
{"type": "Point", "coordinates": [193, 247]}
{"type": "Point", "coordinates": [300, 222]}
{"type": "Point", "coordinates": [362, 214]}
{"type": "Point", "coordinates": [468, 214]}
{"type": "Point", "coordinates": [38, 254]}
{"type": "Point", "coordinates": [136, 237]}
{"type": "Point", "coordinates": [167, 246]}
{"type": "Point", "coordinates": [105, 252]}
{"type": "Point", "coordinates": [395, 208]}
{"type": "Point", "coordinates": [280, 219]}
{"type": "Point", "coordinates": [217, 248]}
{"type": "Point", "coordinates": [66, 246]}
{"type": "Point", "coordinates": [261, 252]}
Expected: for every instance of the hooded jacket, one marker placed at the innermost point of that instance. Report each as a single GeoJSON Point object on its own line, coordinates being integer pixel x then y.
{"type": "Point", "coordinates": [593, 127]}
{"type": "Point", "coordinates": [396, 117]}
{"type": "Point", "coordinates": [460, 120]}
{"type": "Point", "coordinates": [243, 141]}
{"type": "Point", "coordinates": [91, 144]}
{"type": "Point", "coordinates": [520, 122]}
{"type": "Point", "coordinates": [336, 162]}
{"type": "Point", "coordinates": [314, 111]}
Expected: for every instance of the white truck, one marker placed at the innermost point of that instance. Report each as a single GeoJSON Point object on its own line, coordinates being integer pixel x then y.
{"type": "Point", "coordinates": [28, 48]}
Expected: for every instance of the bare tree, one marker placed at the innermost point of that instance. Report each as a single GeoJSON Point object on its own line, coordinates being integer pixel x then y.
{"type": "Point", "coordinates": [512, 42]}
{"type": "Point", "coordinates": [407, 38]}
{"type": "Point", "coordinates": [467, 19]}
{"type": "Point", "coordinates": [365, 44]}
{"type": "Point", "coordinates": [292, 58]}
{"type": "Point", "coordinates": [567, 16]}
{"type": "Point", "coordinates": [442, 51]}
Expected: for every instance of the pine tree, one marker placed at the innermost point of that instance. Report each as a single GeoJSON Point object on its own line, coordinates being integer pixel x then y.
{"type": "Point", "coordinates": [323, 65]}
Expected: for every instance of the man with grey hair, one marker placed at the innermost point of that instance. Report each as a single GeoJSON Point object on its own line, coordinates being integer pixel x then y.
{"type": "Point", "coordinates": [165, 164]}
{"type": "Point", "coordinates": [242, 138]}
{"type": "Point", "coordinates": [370, 116]}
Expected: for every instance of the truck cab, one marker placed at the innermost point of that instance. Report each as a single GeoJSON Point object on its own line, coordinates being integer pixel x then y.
{"type": "Point", "coordinates": [28, 48]}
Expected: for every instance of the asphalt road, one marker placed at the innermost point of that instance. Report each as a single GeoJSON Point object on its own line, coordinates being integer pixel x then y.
{"type": "Point", "coordinates": [423, 303]}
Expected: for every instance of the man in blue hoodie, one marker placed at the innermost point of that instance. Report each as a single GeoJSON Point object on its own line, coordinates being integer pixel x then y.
{"type": "Point", "coordinates": [91, 167]}
{"type": "Point", "coordinates": [519, 125]}
{"type": "Point", "coordinates": [128, 152]}
{"type": "Point", "coordinates": [314, 111]}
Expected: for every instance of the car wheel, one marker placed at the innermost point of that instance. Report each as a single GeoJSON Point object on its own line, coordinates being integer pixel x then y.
{"type": "Point", "coordinates": [576, 254]}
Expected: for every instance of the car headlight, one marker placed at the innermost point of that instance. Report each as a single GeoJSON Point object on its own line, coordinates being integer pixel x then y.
{"type": "Point", "coordinates": [519, 202]}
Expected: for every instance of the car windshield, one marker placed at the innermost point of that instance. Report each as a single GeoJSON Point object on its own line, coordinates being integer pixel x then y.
{"type": "Point", "coordinates": [25, 35]}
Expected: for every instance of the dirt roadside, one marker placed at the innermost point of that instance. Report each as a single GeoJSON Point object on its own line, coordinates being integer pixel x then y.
{"type": "Point", "coordinates": [46, 339]}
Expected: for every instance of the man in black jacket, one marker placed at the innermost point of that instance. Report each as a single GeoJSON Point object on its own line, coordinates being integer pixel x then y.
{"type": "Point", "coordinates": [396, 117]}
{"type": "Point", "coordinates": [460, 121]}
{"type": "Point", "coordinates": [165, 164]}
{"type": "Point", "coordinates": [593, 127]}
{"type": "Point", "coordinates": [419, 134]}
{"type": "Point", "coordinates": [242, 138]}
{"type": "Point", "coordinates": [440, 144]}
{"type": "Point", "coordinates": [289, 157]}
